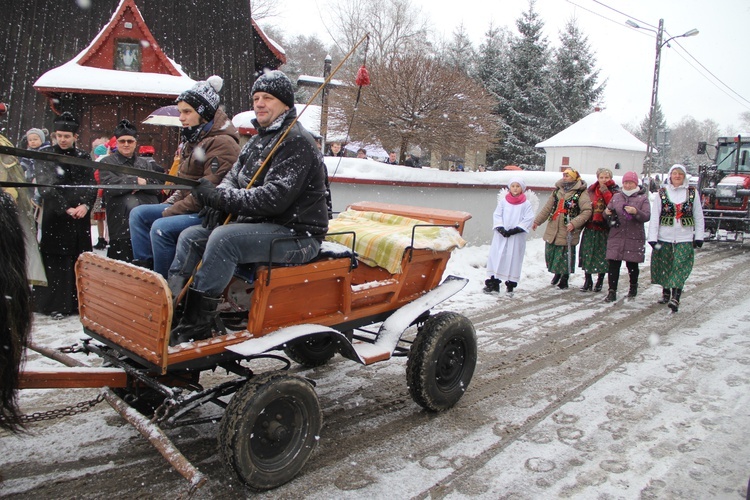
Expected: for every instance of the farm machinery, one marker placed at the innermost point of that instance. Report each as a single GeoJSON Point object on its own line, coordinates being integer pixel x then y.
{"type": "Point", "coordinates": [725, 189]}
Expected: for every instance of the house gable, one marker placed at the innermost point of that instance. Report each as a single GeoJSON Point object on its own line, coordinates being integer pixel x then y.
{"type": "Point", "coordinates": [126, 44]}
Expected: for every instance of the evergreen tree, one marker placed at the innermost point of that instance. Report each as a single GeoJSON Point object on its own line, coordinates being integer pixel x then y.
{"type": "Point", "coordinates": [526, 107]}
{"type": "Point", "coordinates": [459, 54]}
{"type": "Point", "coordinates": [574, 76]}
{"type": "Point", "coordinates": [491, 60]}
{"type": "Point", "coordinates": [660, 127]}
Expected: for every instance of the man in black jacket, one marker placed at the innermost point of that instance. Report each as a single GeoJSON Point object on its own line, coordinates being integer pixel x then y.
{"type": "Point", "coordinates": [289, 199]}
{"type": "Point", "coordinates": [119, 203]}
{"type": "Point", "coordinates": [66, 224]}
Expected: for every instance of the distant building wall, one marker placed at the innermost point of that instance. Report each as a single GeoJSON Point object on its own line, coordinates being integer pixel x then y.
{"type": "Point", "coordinates": [479, 201]}
{"type": "Point", "coordinates": [588, 159]}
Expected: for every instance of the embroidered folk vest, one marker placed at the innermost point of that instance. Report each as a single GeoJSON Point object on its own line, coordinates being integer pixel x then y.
{"type": "Point", "coordinates": [669, 209]}
{"type": "Point", "coordinates": [570, 206]}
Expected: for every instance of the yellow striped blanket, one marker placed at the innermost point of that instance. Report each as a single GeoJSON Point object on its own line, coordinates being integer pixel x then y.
{"type": "Point", "coordinates": [382, 238]}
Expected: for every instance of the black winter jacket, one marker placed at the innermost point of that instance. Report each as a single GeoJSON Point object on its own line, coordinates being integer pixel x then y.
{"type": "Point", "coordinates": [62, 234]}
{"type": "Point", "coordinates": [291, 191]}
{"type": "Point", "coordinates": [119, 203]}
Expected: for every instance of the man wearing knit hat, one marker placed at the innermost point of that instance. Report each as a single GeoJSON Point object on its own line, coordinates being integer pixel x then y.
{"type": "Point", "coordinates": [289, 202]}
{"type": "Point", "coordinates": [119, 203]}
{"type": "Point", "coordinates": [210, 145]}
{"type": "Point", "coordinates": [66, 225]}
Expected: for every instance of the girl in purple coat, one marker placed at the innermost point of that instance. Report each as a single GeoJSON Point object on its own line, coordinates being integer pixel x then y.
{"type": "Point", "coordinates": [627, 212]}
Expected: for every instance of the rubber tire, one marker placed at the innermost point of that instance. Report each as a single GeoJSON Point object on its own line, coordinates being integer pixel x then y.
{"type": "Point", "coordinates": [270, 398]}
{"type": "Point", "coordinates": [313, 351]}
{"type": "Point", "coordinates": [441, 361]}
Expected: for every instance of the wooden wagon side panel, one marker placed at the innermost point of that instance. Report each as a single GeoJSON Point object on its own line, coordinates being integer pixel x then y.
{"type": "Point", "coordinates": [317, 292]}
{"type": "Point", "coordinates": [126, 305]}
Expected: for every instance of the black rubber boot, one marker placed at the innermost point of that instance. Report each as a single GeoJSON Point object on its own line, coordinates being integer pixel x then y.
{"type": "Point", "coordinates": [633, 285]}
{"type": "Point", "coordinates": [510, 285]}
{"type": "Point", "coordinates": [491, 285]}
{"type": "Point", "coordinates": [588, 283]}
{"type": "Point", "coordinates": [666, 294]}
{"type": "Point", "coordinates": [198, 320]}
{"type": "Point", "coordinates": [176, 283]}
{"type": "Point", "coordinates": [599, 282]}
{"type": "Point", "coordinates": [101, 244]}
{"type": "Point", "coordinates": [555, 279]}
{"type": "Point", "coordinates": [147, 263]}
{"type": "Point", "coordinates": [563, 284]}
{"type": "Point", "coordinates": [611, 295]}
{"type": "Point", "coordinates": [674, 302]}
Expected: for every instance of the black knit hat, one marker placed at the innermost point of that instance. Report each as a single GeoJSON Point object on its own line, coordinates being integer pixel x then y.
{"type": "Point", "coordinates": [125, 128]}
{"type": "Point", "coordinates": [277, 84]}
{"type": "Point", "coordinates": [66, 122]}
{"type": "Point", "coordinates": [204, 97]}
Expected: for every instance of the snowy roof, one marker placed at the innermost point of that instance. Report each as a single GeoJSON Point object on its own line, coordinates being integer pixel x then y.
{"type": "Point", "coordinates": [82, 75]}
{"type": "Point", "coordinates": [72, 76]}
{"type": "Point", "coordinates": [597, 130]}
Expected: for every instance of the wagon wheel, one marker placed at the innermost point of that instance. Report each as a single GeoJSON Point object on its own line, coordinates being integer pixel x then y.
{"type": "Point", "coordinates": [313, 351]}
{"type": "Point", "coordinates": [441, 361]}
{"type": "Point", "coordinates": [270, 428]}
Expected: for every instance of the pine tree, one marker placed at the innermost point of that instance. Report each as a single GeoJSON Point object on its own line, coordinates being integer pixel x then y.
{"type": "Point", "coordinates": [526, 107]}
{"type": "Point", "coordinates": [574, 76]}
{"type": "Point", "coordinates": [459, 54]}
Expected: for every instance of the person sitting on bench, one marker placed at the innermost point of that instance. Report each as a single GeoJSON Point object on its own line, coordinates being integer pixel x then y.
{"type": "Point", "coordinates": [290, 199]}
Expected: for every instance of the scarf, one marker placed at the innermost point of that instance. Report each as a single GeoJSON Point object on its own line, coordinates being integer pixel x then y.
{"type": "Point", "coordinates": [515, 200]}
{"type": "Point", "coordinates": [193, 134]}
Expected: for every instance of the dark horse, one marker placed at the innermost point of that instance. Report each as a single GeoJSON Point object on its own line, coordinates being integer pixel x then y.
{"type": "Point", "coordinates": [15, 310]}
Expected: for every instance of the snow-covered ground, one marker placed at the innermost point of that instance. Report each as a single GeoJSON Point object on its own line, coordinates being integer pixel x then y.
{"type": "Point", "coordinates": [663, 416]}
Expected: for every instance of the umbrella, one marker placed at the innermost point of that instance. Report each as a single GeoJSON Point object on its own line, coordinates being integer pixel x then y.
{"type": "Point", "coordinates": [166, 115]}
{"type": "Point", "coordinates": [512, 167]}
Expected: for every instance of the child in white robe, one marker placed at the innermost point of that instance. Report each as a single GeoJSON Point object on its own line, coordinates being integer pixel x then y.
{"type": "Point", "coordinates": [512, 222]}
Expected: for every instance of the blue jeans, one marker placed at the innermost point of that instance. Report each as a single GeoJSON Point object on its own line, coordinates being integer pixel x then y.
{"type": "Point", "coordinates": [154, 237]}
{"type": "Point", "coordinates": [226, 246]}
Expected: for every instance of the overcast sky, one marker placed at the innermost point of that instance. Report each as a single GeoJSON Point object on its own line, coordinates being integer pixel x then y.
{"type": "Point", "coordinates": [624, 55]}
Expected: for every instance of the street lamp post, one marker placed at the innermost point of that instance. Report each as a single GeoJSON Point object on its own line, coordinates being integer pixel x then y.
{"type": "Point", "coordinates": [649, 160]}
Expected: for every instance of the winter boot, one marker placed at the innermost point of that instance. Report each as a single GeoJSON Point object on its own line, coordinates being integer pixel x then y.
{"type": "Point", "coordinates": [563, 284]}
{"type": "Point", "coordinates": [145, 263]}
{"type": "Point", "coordinates": [588, 283]}
{"type": "Point", "coordinates": [674, 302]}
{"type": "Point", "coordinates": [101, 244]}
{"type": "Point", "coordinates": [510, 285]}
{"type": "Point", "coordinates": [176, 283]}
{"type": "Point", "coordinates": [599, 282]}
{"type": "Point", "coordinates": [555, 279]}
{"type": "Point", "coordinates": [198, 320]}
{"type": "Point", "coordinates": [611, 295]}
{"type": "Point", "coordinates": [633, 285]}
{"type": "Point", "coordinates": [666, 294]}
{"type": "Point", "coordinates": [491, 285]}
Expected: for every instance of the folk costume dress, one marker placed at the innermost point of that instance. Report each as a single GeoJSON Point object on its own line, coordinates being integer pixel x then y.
{"type": "Point", "coordinates": [594, 240]}
{"type": "Point", "coordinates": [506, 254]}
{"type": "Point", "coordinates": [676, 221]}
{"type": "Point", "coordinates": [569, 202]}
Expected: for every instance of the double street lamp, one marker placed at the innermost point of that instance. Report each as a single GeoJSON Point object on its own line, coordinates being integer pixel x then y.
{"type": "Point", "coordinates": [648, 163]}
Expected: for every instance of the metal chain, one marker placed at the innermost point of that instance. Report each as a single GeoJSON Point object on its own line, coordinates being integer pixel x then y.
{"type": "Point", "coordinates": [68, 411]}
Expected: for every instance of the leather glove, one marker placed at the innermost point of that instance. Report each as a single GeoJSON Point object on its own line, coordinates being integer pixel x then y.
{"type": "Point", "coordinates": [697, 243]}
{"type": "Point", "coordinates": [502, 231]}
{"type": "Point", "coordinates": [206, 193]}
{"type": "Point", "coordinates": [515, 230]}
{"type": "Point", "coordinates": [211, 217]}
{"type": "Point", "coordinates": [652, 243]}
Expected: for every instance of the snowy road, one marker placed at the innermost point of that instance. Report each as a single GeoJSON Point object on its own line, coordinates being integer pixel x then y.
{"type": "Point", "coordinates": [571, 398]}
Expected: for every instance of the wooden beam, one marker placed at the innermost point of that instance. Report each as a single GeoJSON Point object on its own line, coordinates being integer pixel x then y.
{"type": "Point", "coordinates": [73, 378]}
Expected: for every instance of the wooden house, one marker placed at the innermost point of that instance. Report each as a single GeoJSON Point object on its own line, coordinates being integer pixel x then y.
{"type": "Point", "coordinates": [205, 38]}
